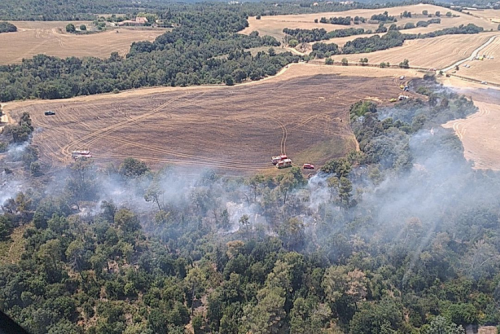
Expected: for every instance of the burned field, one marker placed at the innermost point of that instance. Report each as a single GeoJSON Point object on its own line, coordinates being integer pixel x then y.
{"type": "Point", "coordinates": [229, 128]}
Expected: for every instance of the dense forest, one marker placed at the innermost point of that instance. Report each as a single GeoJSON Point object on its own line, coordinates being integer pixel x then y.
{"type": "Point", "coordinates": [7, 27]}
{"type": "Point", "coordinates": [400, 237]}
{"type": "Point", "coordinates": [74, 10]}
{"type": "Point", "coordinates": [204, 49]}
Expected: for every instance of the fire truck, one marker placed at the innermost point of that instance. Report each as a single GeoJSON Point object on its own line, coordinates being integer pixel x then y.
{"type": "Point", "coordinates": [81, 154]}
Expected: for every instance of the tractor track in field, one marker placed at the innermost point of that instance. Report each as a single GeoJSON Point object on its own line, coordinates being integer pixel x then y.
{"type": "Point", "coordinates": [234, 128]}
{"type": "Point", "coordinates": [96, 135]}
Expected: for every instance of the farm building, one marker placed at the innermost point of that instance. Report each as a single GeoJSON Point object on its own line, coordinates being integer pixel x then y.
{"type": "Point", "coordinates": [138, 21]}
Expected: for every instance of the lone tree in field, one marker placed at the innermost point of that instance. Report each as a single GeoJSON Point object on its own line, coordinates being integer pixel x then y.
{"type": "Point", "coordinates": [363, 61]}
{"type": "Point", "coordinates": [328, 61]}
{"type": "Point", "coordinates": [83, 27]}
{"type": "Point", "coordinates": [404, 64]}
{"type": "Point", "coordinates": [70, 28]}
{"type": "Point", "coordinates": [345, 62]}
{"type": "Point", "coordinates": [424, 12]}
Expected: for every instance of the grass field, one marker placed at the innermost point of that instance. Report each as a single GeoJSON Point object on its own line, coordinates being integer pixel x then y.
{"type": "Point", "coordinates": [437, 52]}
{"type": "Point", "coordinates": [230, 128]}
{"type": "Point", "coordinates": [50, 38]}
{"type": "Point", "coordinates": [274, 25]}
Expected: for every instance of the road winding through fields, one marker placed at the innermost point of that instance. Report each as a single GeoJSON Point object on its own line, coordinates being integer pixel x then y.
{"type": "Point", "coordinates": [472, 56]}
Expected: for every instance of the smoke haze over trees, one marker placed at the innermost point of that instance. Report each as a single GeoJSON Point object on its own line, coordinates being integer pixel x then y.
{"type": "Point", "coordinates": [401, 236]}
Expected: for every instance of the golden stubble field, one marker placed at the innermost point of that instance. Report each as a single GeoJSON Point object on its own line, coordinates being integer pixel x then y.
{"type": "Point", "coordinates": [489, 14]}
{"type": "Point", "coordinates": [274, 25]}
{"type": "Point", "coordinates": [480, 132]}
{"type": "Point", "coordinates": [487, 69]}
{"type": "Point", "coordinates": [235, 129]}
{"type": "Point", "coordinates": [50, 38]}
{"type": "Point", "coordinates": [437, 52]}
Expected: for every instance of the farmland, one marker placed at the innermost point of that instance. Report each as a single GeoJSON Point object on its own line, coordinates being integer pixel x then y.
{"type": "Point", "coordinates": [274, 25]}
{"type": "Point", "coordinates": [435, 52]}
{"type": "Point", "coordinates": [50, 38]}
{"type": "Point", "coordinates": [479, 132]}
{"type": "Point", "coordinates": [235, 129]}
{"type": "Point", "coordinates": [482, 69]}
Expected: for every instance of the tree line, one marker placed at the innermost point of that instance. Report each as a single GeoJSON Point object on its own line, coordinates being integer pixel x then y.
{"type": "Point", "coordinates": [312, 35]}
{"type": "Point", "coordinates": [342, 20]}
{"type": "Point", "coordinates": [394, 38]}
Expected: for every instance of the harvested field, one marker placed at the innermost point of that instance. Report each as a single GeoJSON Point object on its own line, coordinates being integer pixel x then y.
{"type": "Point", "coordinates": [487, 69]}
{"type": "Point", "coordinates": [488, 14]}
{"type": "Point", "coordinates": [229, 128]}
{"type": "Point", "coordinates": [480, 132]}
{"type": "Point", "coordinates": [274, 25]}
{"type": "Point", "coordinates": [50, 38]}
{"type": "Point", "coordinates": [437, 52]}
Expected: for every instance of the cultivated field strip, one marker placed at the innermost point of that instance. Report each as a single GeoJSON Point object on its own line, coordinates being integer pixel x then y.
{"type": "Point", "coordinates": [50, 38]}
{"type": "Point", "coordinates": [232, 128]}
{"type": "Point", "coordinates": [437, 52]}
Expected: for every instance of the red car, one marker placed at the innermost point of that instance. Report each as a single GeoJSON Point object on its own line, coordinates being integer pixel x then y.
{"type": "Point", "coordinates": [308, 166]}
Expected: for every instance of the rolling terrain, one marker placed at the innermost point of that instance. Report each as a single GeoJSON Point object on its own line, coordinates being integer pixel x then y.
{"type": "Point", "coordinates": [274, 25]}
{"type": "Point", "coordinates": [437, 52]}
